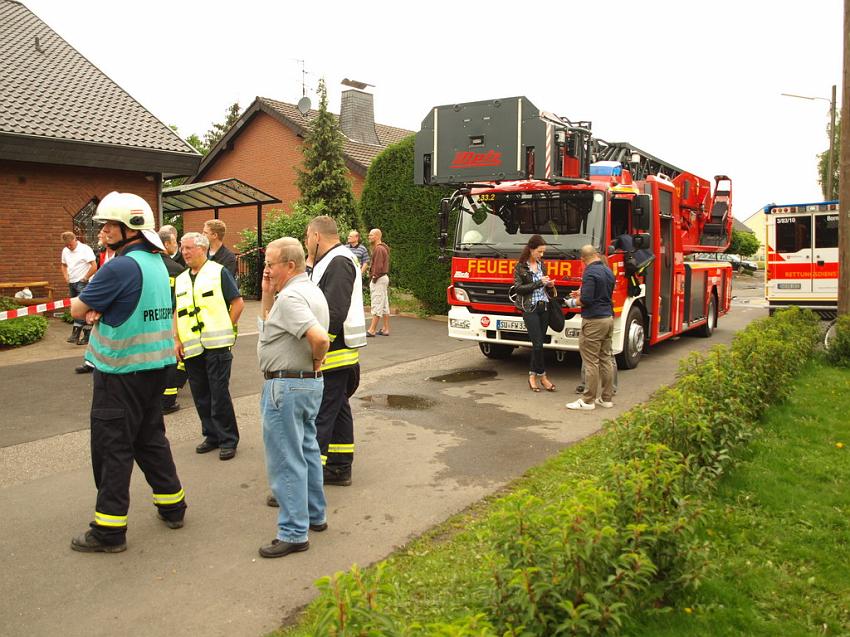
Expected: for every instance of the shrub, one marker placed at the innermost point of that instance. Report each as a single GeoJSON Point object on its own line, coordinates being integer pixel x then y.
{"type": "Point", "coordinates": [561, 567]}
{"type": "Point", "coordinates": [710, 410]}
{"type": "Point", "coordinates": [839, 346]}
{"type": "Point", "coordinates": [407, 215]}
{"type": "Point", "coordinates": [278, 223]}
{"type": "Point", "coordinates": [22, 330]}
{"type": "Point", "coordinates": [8, 303]}
{"type": "Point", "coordinates": [580, 559]}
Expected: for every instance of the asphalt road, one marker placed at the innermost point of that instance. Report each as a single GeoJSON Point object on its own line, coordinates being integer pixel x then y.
{"type": "Point", "coordinates": [436, 432]}
{"type": "Point", "coordinates": [46, 398]}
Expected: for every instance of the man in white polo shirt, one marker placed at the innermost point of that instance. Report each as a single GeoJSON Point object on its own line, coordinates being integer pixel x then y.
{"type": "Point", "coordinates": [78, 266]}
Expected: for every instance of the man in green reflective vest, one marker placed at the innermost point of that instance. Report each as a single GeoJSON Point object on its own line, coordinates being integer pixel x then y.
{"type": "Point", "coordinates": [131, 345]}
{"type": "Point", "coordinates": [208, 309]}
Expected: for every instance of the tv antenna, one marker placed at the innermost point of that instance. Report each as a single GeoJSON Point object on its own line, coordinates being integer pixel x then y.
{"type": "Point", "coordinates": [304, 102]}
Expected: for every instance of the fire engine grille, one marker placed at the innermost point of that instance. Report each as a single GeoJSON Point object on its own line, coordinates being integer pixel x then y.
{"type": "Point", "coordinates": [493, 293]}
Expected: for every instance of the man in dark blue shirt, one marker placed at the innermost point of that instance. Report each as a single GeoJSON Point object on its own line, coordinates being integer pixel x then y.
{"type": "Point", "coordinates": [597, 329]}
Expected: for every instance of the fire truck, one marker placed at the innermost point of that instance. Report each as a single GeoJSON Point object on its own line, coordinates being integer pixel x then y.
{"type": "Point", "coordinates": [802, 256]}
{"type": "Point", "coordinates": [517, 171]}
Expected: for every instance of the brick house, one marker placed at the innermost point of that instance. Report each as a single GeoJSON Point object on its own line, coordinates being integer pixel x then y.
{"type": "Point", "coordinates": [263, 148]}
{"type": "Point", "coordinates": [68, 136]}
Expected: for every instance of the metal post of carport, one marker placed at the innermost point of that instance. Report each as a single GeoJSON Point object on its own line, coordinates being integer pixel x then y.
{"type": "Point", "coordinates": [260, 255]}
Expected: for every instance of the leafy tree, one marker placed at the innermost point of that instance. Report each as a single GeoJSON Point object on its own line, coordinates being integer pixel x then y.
{"type": "Point", "coordinates": [195, 142]}
{"type": "Point", "coordinates": [407, 215]}
{"type": "Point", "coordinates": [823, 164]}
{"type": "Point", "coordinates": [277, 223]}
{"type": "Point", "coordinates": [324, 177]}
{"type": "Point", "coordinates": [743, 243]}
{"type": "Point", "coordinates": [214, 134]}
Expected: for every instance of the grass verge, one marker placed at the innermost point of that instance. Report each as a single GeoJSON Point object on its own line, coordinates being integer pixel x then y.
{"type": "Point", "coordinates": [779, 526]}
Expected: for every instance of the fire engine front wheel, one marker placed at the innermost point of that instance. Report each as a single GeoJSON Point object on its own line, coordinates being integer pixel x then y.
{"type": "Point", "coordinates": [633, 341]}
{"type": "Point", "coordinates": [492, 350]}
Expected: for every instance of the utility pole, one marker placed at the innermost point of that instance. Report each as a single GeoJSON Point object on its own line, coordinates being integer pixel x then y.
{"type": "Point", "coordinates": [831, 160]}
{"type": "Point", "coordinates": [844, 178]}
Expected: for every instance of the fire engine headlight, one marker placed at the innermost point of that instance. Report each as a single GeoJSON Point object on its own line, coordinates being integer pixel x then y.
{"type": "Point", "coordinates": [459, 324]}
{"type": "Point", "coordinates": [461, 295]}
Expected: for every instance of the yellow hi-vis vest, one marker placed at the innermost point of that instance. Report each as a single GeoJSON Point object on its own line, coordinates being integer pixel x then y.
{"type": "Point", "coordinates": [354, 326]}
{"type": "Point", "coordinates": [203, 320]}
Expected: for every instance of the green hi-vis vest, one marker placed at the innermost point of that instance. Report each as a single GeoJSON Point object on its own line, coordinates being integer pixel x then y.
{"type": "Point", "coordinates": [203, 320]}
{"type": "Point", "coordinates": [146, 339]}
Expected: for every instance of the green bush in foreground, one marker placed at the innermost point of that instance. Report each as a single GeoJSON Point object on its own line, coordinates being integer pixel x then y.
{"type": "Point", "coordinates": [23, 330]}
{"type": "Point", "coordinates": [583, 559]}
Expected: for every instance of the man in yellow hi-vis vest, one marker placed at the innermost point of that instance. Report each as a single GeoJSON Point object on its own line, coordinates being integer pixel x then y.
{"type": "Point", "coordinates": [208, 307]}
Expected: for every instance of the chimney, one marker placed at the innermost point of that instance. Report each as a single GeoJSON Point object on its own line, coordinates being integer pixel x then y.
{"type": "Point", "coordinates": [357, 117]}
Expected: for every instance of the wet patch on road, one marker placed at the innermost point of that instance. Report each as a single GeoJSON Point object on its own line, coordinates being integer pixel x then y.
{"type": "Point", "coordinates": [397, 401]}
{"type": "Point", "coordinates": [465, 376]}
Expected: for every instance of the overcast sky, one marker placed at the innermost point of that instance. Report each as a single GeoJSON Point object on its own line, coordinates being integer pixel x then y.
{"type": "Point", "coordinates": [696, 83]}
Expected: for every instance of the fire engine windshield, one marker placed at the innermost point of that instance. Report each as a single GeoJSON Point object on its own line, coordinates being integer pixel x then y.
{"type": "Point", "coordinates": [503, 222]}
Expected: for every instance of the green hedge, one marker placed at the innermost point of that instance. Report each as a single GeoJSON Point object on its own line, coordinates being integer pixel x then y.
{"type": "Point", "coordinates": [581, 559]}
{"type": "Point", "coordinates": [23, 330]}
{"type": "Point", "coordinates": [407, 215]}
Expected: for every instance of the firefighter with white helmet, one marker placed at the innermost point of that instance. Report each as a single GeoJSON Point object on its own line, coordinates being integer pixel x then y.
{"type": "Point", "coordinates": [132, 344]}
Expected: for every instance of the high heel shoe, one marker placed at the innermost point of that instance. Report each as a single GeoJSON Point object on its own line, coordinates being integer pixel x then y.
{"type": "Point", "coordinates": [550, 387]}
{"type": "Point", "coordinates": [532, 387]}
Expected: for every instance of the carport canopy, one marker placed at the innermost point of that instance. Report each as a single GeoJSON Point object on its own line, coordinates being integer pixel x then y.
{"type": "Point", "coordinates": [216, 195]}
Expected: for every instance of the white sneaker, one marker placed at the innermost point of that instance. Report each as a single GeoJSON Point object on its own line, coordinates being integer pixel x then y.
{"type": "Point", "coordinates": [581, 405]}
{"type": "Point", "coordinates": [604, 403]}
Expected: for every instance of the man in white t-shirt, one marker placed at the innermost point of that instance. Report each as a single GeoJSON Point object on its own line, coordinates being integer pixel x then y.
{"type": "Point", "coordinates": [78, 266]}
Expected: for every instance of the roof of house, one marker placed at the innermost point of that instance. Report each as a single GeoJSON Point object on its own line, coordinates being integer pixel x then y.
{"type": "Point", "coordinates": [358, 156]}
{"type": "Point", "coordinates": [56, 106]}
{"type": "Point", "coordinates": [740, 227]}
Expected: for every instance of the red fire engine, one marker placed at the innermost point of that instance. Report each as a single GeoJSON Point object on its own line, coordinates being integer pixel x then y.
{"type": "Point", "coordinates": [802, 256]}
{"type": "Point", "coordinates": [519, 171]}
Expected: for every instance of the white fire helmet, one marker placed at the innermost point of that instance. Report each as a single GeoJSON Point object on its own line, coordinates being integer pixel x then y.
{"type": "Point", "coordinates": [130, 210]}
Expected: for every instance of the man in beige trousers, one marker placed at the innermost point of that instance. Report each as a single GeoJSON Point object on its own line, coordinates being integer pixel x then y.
{"type": "Point", "coordinates": [597, 329]}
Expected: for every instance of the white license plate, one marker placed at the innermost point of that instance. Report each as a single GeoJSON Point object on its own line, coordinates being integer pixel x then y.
{"type": "Point", "coordinates": [512, 326]}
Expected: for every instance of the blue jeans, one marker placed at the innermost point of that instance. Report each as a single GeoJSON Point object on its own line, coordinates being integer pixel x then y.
{"type": "Point", "coordinates": [74, 290]}
{"type": "Point", "coordinates": [289, 407]}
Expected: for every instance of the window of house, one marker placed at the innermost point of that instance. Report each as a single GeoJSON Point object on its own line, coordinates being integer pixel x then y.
{"type": "Point", "coordinates": [84, 227]}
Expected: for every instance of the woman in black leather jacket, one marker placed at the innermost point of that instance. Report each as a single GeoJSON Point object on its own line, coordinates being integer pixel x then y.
{"type": "Point", "coordinates": [533, 289]}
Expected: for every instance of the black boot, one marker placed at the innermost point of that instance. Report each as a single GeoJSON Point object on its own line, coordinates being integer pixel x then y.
{"type": "Point", "coordinates": [340, 477]}
{"type": "Point", "coordinates": [84, 336]}
{"type": "Point", "coordinates": [75, 334]}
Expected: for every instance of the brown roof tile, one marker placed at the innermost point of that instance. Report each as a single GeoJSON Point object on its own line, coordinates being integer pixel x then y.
{"type": "Point", "coordinates": [359, 153]}
{"type": "Point", "coordinates": [49, 90]}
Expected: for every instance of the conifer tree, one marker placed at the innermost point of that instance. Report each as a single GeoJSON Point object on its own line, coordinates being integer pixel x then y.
{"type": "Point", "coordinates": [324, 176]}
{"type": "Point", "coordinates": [214, 134]}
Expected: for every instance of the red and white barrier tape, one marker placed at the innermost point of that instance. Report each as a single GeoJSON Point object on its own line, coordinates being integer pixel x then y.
{"type": "Point", "coordinates": [35, 309]}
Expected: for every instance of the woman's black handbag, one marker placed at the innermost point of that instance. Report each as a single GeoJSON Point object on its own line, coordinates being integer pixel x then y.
{"type": "Point", "coordinates": [556, 314]}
